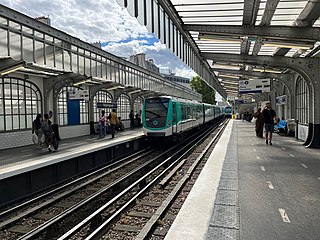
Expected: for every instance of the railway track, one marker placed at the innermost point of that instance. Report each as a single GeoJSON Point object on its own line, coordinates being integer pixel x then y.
{"type": "Point", "coordinates": [83, 207]}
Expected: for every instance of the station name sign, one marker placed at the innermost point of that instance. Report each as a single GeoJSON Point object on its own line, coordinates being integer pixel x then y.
{"type": "Point", "coordinates": [106, 105]}
{"type": "Point", "coordinates": [254, 86]}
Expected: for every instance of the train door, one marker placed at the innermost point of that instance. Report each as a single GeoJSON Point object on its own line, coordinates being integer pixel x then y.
{"type": "Point", "coordinates": [174, 118]}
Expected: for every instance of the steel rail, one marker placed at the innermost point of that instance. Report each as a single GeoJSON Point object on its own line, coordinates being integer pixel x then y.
{"type": "Point", "coordinates": [33, 201]}
{"type": "Point", "coordinates": [58, 218]}
{"type": "Point", "coordinates": [103, 228]}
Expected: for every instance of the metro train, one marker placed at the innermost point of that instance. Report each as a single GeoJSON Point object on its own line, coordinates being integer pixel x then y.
{"type": "Point", "coordinates": [228, 111]}
{"type": "Point", "coordinates": [166, 116]}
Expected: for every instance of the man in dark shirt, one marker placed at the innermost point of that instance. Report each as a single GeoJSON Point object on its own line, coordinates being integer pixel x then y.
{"type": "Point", "coordinates": [269, 115]}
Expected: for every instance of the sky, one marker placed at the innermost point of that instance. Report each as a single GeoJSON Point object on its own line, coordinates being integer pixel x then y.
{"type": "Point", "coordinates": [103, 21]}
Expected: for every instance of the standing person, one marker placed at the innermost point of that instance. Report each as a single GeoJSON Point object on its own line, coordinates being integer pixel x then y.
{"type": "Point", "coordinates": [103, 123]}
{"type": "Point", "coordinates": [269, 115]}
{"type": "Point", "coordinates": [138, 119]}
{"type": "Point", "coordinates": [113, 118]}
{"type": "Point", "coordinates": [131, 117]}
{"type": "Point", "coordinates": [47, 131]}
{"type": "Point", "coordinates": [36, 128]}
{"type": "Point", "coordinates": [259, 123]}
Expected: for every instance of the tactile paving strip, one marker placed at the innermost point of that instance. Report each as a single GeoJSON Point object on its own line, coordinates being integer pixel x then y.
{"type": "Point", "coordinates": [230, 167]}
{"type": "Point", "coordinates": [225, 197]}
{"type": "Point", "coordinates": [228, 184]}
{"type": "Point", "coordinates": [225, 216]}
{"type": "Point", "coordinates": [216, 233]}
{"type": "Point", "coordinates": [230, 174]}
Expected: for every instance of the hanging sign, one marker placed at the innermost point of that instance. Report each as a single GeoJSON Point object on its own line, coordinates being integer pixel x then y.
{"type": "Point", "coordinates": [281, 100]}
{"type": "Point", "coordinates": [79, 95]}
{"type": "Point", "coordinates": [254, 86]}
{"type": "Point", "coordinates": [106, 105]}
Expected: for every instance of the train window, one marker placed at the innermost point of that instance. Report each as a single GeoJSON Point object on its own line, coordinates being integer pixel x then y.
{"type": "Point", "coordinates": [189, 110]}
{"type": "Point", "coordinates": [184, 112]}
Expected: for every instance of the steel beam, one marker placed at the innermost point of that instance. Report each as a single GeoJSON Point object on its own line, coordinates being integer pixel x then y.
{"type": "Point", "coordinates": [250, 11]}
{"type": "Point", "coordinates": [283, 32]}
{"type": "Point", "coordinates": [309, 14]}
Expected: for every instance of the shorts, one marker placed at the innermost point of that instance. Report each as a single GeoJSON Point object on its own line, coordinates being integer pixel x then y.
{"type": "Point", "coordinates": [268, 127]}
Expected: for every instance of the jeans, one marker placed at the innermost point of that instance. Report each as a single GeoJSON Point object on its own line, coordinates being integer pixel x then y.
{"type": "Point", "coordinates": [102, 131]}
{"type": "Point", "coordinates": [39, 134]}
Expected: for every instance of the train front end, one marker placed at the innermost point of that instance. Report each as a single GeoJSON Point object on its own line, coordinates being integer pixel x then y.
{"type": "Point", "coordinates": [157, 117]}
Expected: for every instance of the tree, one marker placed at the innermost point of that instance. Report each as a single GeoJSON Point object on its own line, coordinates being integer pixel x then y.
{"type": "Point", "coordinates": [200, 86]}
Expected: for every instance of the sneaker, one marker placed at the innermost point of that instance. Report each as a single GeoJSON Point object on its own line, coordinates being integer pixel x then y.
{"type": "Point", "coordinates": [270, 143]}
{"type": "Point", "coordinates": [49, 149]}
{"type": "Point", "coordinates": [267, 142]}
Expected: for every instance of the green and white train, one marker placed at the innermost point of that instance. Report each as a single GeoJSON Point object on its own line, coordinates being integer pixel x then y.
{"type": "Point", "coordinates": [166, 116]}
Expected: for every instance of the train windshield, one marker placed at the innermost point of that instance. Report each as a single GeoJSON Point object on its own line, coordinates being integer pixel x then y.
{"type": "Point", "coordinates": [156, 110]}
{"type": "Point", "coordinates": [228, 109]}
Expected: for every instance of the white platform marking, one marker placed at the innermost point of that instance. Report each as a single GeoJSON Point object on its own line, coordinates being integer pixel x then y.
{"type": "Point", "coordinates": [277, 143]}
{"type": "Point", "coordinates": [291, 155]}
{"type": "Point", "coordinates": [262, 168]}
{"type": "Point", "coordinates": [251, 144]}
{"type": "Point", "coordinates": [283, 148]}
{"type": "Point", "coordinates": [303, 165]}
{"type": "Point", "coordinates": [29, 155]}
{"type": "Point", "coordinates": [270, 185]}
{"type": "Point", "coordinates": [258, 157]}
{"type": "Point", "coordinates": [318, 178]}
{"type": "Point", "coordinates": [254, 150]}
{"type": "Point", "coordinates": [284, 215]}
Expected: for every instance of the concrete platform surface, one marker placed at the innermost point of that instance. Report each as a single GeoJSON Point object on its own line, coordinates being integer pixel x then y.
{"type": "Point", "coordinates": [249, 190]}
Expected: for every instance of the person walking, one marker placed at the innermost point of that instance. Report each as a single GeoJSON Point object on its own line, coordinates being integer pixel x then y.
{"type": "Point", "coordinates": [113, 118]}
{"type": "Point", "coordinates": [103, 123]}
{"type": "Point", "coordinates": [131, 117]}
{"type": "Point", "coordinates": [269, 115]}
{"type": "Point", "coordinates": [36, 129]}
{"type": "Point", "coordinates": [259, 123]}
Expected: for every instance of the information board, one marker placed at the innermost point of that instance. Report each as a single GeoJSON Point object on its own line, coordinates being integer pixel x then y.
{"type": "Point", "coordinates": [79, 95]}
{"type": "Point", "coordinates": [281, 100]}
{"type": "Point", "coordinates": [254, 86]}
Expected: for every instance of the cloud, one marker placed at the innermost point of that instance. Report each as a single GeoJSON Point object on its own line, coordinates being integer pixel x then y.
{"type": "Point", "coordinates": [105, 21]}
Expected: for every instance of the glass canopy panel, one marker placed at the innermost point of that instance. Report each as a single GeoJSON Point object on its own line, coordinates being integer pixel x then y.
{"type": "Point", "coordinates": [210, 12]}
{"type": "Point", "coordinates": [317, 23]}
{"type": "Point", "coordinates": [291, 52]}
{"type": "Point", "coordinates": [288, 11]}
{"type": "Point", "coordinates": [267, 50]}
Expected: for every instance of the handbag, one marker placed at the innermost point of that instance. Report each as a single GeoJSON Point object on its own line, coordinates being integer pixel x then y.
{"type": "Point", "coordinates": [34, 138]}
{"type": "Point", "coordinates": [254, 120]}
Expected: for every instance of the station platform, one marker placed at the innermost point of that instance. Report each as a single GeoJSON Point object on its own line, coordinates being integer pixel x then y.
{"type": "Point", "coordinates": [22, 159]}
{"type": "Point", "coordinates": [28, 170]}
{"type": "Point", "coordinates": [249, 190]}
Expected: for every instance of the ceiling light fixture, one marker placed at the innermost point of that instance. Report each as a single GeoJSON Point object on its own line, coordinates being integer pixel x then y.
{"type": "Point", "coordinates": [219, 38]}
{"type": "Point", "coordinates": [11, 69]}
{"type": "Point", "coordinates": [272, 43]}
